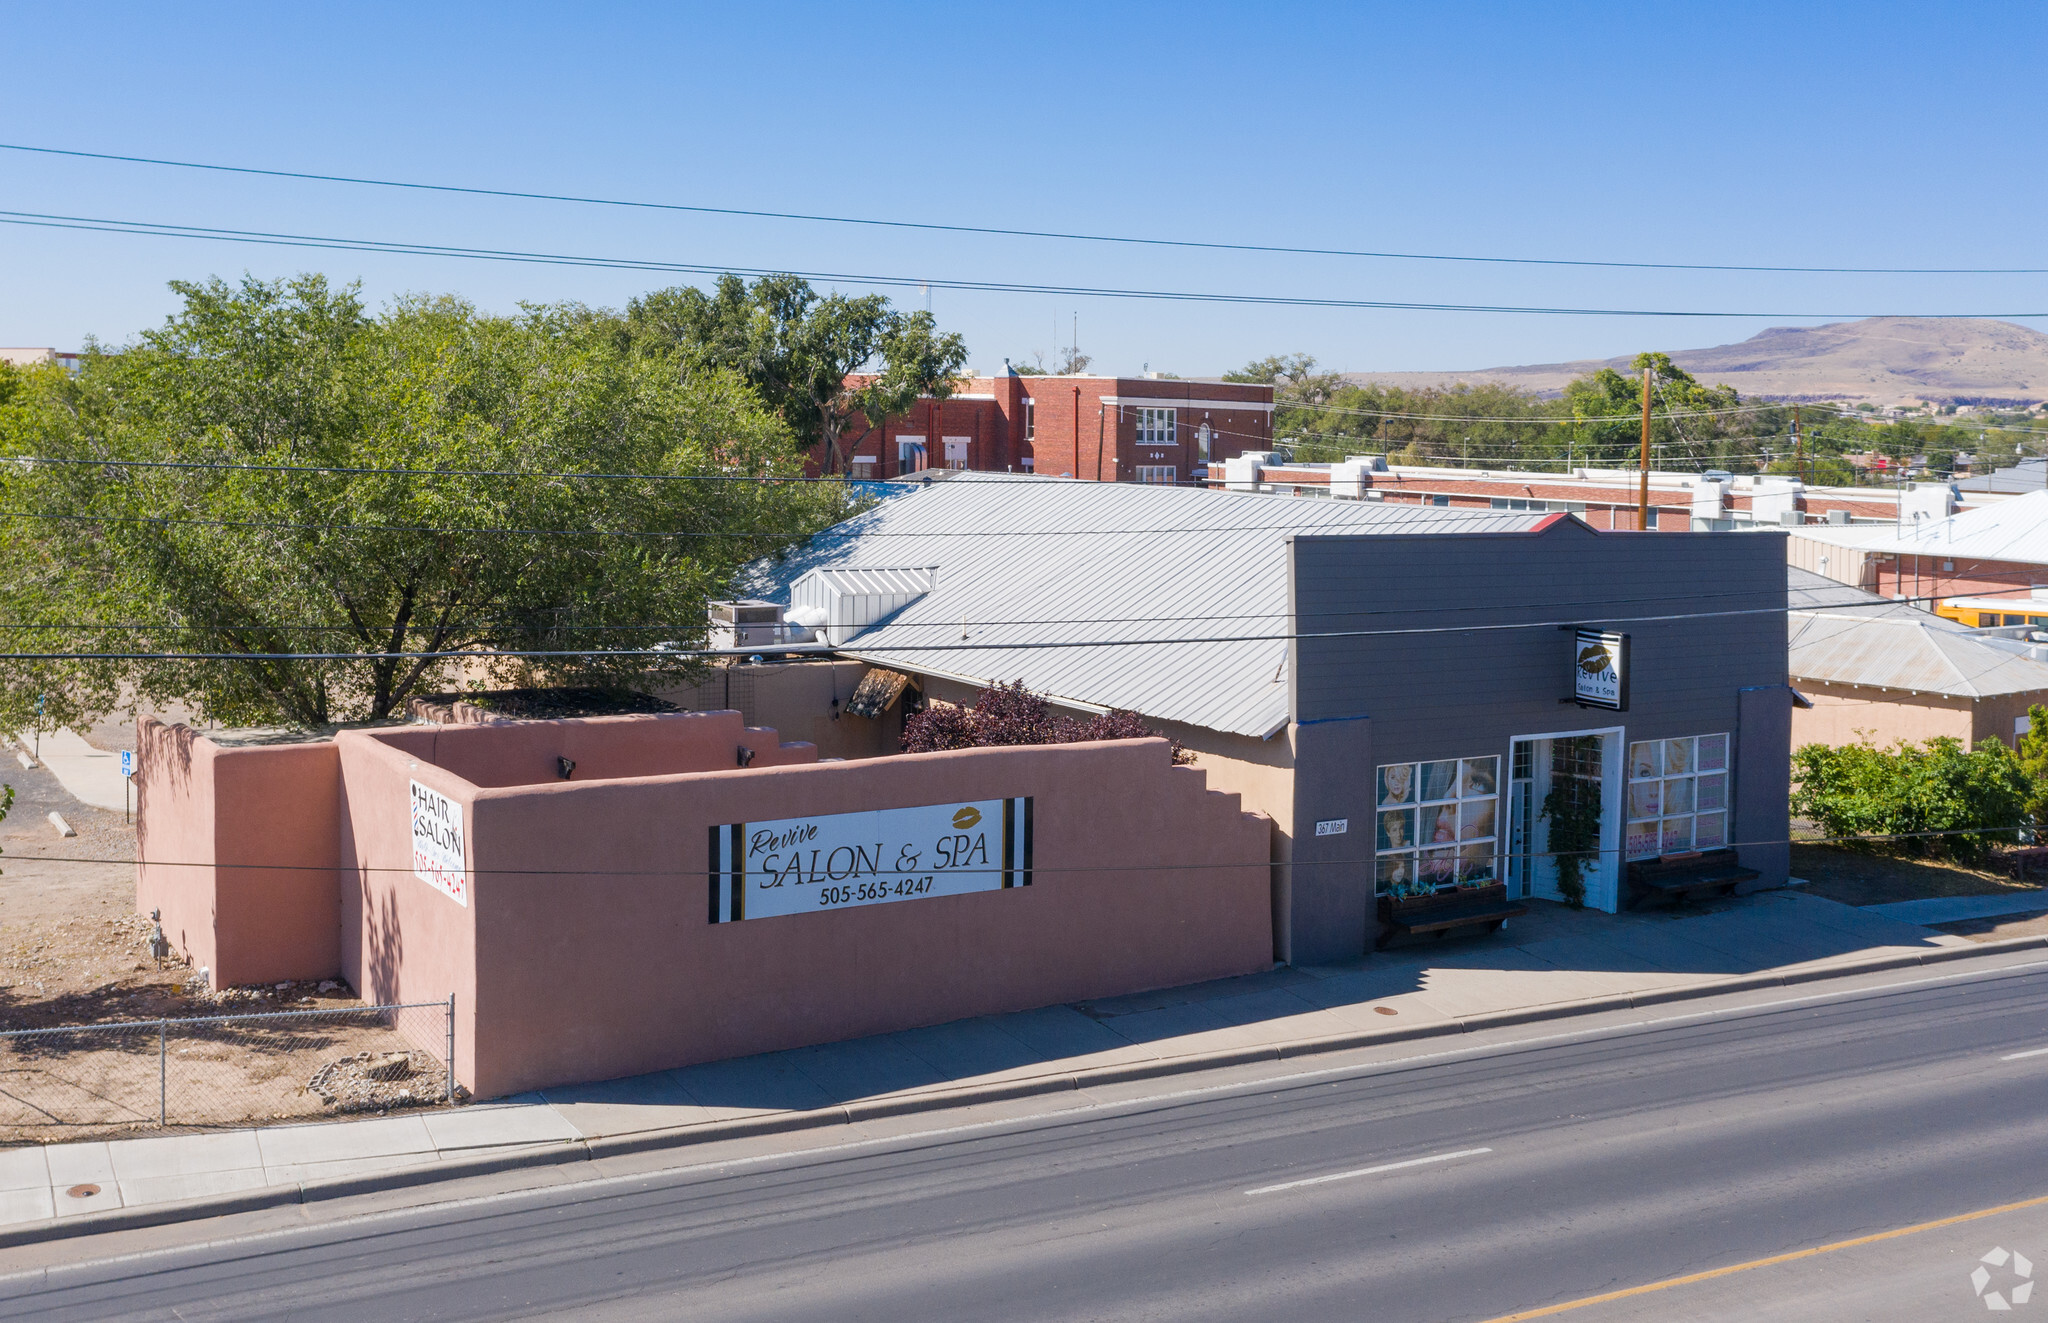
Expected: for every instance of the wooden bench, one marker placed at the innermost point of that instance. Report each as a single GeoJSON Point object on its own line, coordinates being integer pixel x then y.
{"type": "Point", "coordinates": [1687, 876]}
{"type": "Point", "coordinates": [1446, 912]}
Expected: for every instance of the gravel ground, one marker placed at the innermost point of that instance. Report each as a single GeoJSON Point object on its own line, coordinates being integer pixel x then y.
{"type": "Point", "coordinates": [73, 951]}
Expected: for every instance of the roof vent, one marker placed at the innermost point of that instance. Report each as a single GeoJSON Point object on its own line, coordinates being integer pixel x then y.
{"type": "Point", "coordinates": [842, 603]}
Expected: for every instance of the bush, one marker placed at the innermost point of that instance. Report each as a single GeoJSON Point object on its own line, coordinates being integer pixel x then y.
{"type": "Point", "coordinates": [1910, 792]}
{"type": "Point", "coordinates": [1011, 714]}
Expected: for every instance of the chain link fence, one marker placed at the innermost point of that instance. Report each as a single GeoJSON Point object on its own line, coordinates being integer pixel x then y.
{"type": "Point", "coordinates": [81, 1081]}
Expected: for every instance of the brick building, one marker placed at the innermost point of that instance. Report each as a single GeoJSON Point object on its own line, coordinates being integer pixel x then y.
{"type": "Point", "coordinates": [1116, 429]}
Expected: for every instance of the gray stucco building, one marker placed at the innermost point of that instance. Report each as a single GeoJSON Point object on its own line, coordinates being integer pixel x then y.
{"type": "Point", "coordinates": [1395, 688]}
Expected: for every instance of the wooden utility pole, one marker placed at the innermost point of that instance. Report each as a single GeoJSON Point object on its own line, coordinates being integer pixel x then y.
{"type": "Point", "coordinates": [1643, 489]}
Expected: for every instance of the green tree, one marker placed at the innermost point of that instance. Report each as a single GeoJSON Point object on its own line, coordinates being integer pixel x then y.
{"type": "Point", "coordinates": [255, 562]}
{"type": "Point", "coordinates": [1935, 798]}
{"type": "Point", "coordinates": [2033, 758]}
{"type": "Point", "coordinates": [798, 348]}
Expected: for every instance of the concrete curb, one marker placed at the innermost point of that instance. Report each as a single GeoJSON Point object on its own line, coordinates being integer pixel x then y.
{"type": "Point", "coordinates": [644, 1141]}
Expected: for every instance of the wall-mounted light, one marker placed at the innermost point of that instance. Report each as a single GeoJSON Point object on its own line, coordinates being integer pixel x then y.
{"type": "Point", "coordinates": [746, 755]}
{"type": "Point", "coordinates": [564, 766]}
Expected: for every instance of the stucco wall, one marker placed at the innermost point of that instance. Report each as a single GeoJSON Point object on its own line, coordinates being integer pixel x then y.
{"type": "Point", "coordinates": [238, 848]}
{"type": "Point", "coordinates": [1845, 714]}
{"type": "Point", "coordinates": [799, 700]}
{"type": "Point", "coordinates": [586, 951]}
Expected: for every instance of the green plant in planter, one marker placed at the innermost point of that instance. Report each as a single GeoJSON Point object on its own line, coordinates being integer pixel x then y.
{"type": "Point", "coordinates": [1573, 810]}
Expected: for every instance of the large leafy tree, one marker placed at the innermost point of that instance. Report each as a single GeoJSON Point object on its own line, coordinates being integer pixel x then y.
{"type": "Point", "coordinates": [179, 552]}
{"type": "Point", "coordinates": [828, 364]}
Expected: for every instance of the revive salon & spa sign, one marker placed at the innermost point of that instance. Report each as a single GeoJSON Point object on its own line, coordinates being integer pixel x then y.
{"type": "Point", "coordinates": [839, 860]}
{"type": "Point", "coordinates": [437, 843]}
{"type": "Point", "coordinates": [1600, 666]}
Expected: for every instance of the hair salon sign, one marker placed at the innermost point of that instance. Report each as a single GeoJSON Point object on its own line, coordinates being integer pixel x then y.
{"type": "Point", "coordinates": [1600, 669]}
{"type": "Point", "coordinates": [839, 860]}
{"type": "Point", "coordinates": [437, 843]}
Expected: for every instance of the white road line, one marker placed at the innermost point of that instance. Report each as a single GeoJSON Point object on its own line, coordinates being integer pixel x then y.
{"type": "Point", "coordinates": [1369, 1171]}
{"type": "Point", "coordinates": [2019, 1056]}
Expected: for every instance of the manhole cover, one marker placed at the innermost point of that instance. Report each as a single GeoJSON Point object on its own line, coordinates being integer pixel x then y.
{"type": "Point", "coordinates": [83, 1191]}
{"type": "Point", "coordinates": [1386, 1010]}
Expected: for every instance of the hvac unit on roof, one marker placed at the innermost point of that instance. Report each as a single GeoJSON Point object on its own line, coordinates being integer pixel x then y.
{"type": "Point", "coordinates": [749, 623]}
{"type": "Point", "coordinates": [840, 604]}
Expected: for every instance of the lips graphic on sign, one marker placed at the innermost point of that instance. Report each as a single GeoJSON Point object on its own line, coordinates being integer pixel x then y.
{"type": "Point", "coordinates": [966, 818]}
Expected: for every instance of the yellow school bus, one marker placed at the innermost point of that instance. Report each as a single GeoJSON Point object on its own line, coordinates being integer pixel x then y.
{"type": "Point", "coordinates": [1987, 612]}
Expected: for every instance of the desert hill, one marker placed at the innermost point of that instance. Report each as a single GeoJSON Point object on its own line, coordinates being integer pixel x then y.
{"type": "Point", "coordinates": [1885, 360]}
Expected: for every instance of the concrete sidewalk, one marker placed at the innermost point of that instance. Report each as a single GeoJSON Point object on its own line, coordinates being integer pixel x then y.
{"type": "Point", "coordinates": [1552, 963]}
{"type": "Point", "coordinates": [89, 774]}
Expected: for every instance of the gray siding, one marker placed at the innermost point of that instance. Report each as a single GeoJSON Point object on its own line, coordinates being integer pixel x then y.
{"type": "Point", "coordinates": [1488, 663]}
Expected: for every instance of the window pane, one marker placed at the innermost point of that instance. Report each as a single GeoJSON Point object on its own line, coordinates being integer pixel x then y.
{"type": "Point", "coordinates": [1475, 820]}
{"type": "Point", "coordinates": [1713, 753]}
{"type": "Point", "coordinates": [1439, 825]}
{"type": "Point", "coordinates": [1677, 835]}
{"type": "Point", "coordinates": [1439, 867]}
{"type": "Point", "coordinates": [1645, 799]}
{"type": "Point", "coordinates": [1478, 777]}
{"type": "Point", "coordinates": [1642, 839]}
{"type": "Point", "coordinates": [1712, 793]}
{"type": "Point", "coordinates": [1475, 864]}
{"type": "Point", "coordinates": [1710, 831]}
{"type": "Point", "coordinates": [1677, 756]}
{"type": "Point", "coordinates": [1678, 795]}
{"type": "Point", "coordinates": [1397, 829]}
{"type": "Point", "coordinates": [1396, 873]}
{"type": "Point", "coordinates": [1440, 780]}
{"type": "Point", "coordinates": [1642, 759]}
{"type": "Point", "coordinates": [1397, 783]}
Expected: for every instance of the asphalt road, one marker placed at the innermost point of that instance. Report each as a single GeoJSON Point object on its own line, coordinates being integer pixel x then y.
{"type": "Point", "coordinates": [1588, 1166]}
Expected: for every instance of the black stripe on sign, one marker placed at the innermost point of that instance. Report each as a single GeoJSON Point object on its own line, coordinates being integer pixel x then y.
{"type": "Point", "coordinates": [1009, 843]}
{"type": "Point", "coordinates": [717, 874]}
{"type": "Point", "coordinates": [739, 870]}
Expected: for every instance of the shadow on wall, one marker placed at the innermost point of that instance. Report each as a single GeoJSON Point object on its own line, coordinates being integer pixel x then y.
{"type": "Point", "coordinates": [383, 943]}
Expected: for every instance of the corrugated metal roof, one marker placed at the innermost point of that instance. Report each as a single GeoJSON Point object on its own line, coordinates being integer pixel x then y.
{"type": "Point", "coordinates": [1926, 655]}
{"type": "Point", "coordinates": [1113, 595]}
{"type": "Point", "coordinates": [2012, 530]}
{"type": "Point", "coordinates": [1805, 590]}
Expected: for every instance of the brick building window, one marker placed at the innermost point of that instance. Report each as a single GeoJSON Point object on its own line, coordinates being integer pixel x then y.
{"type": "Point", "coordinates": [1030, 419]}
{"type": "Point", "coordinates": [1157, 427]}
{"type": "Point", "coordinates": [1156, 473]}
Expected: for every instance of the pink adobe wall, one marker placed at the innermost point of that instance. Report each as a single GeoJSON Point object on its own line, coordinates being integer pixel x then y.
{"type": "Point", "coordinates": [514, 753]}
{"type": "Point", "coordinates": [237, 847]}
{"type": "Point", "coordinates": [610, 966]}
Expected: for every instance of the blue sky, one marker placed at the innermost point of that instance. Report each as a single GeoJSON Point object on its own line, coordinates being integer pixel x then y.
{"type": "Point", "coordinates": [1875, 134]}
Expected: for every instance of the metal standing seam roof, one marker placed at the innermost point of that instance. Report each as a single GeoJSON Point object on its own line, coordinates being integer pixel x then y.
{"type": "Point", "coordinates": [1893, 652]}
{"type": "Point", "coordinates": [2012, 530]}
{"type": "Point", "coordinates": [1175, 600]}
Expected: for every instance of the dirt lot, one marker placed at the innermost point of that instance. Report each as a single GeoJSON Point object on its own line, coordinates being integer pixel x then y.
{"type": "Point", "coordinates": [1853, 877]}
{"type": "Point", "coordinates": [74, 952]}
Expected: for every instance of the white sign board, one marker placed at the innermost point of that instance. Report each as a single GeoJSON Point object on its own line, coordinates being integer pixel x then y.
{"type": "Point", "coordinates": [1600, 669]}
{"type": "Point", "coordinates": [437, 843]}
{"type": "Point", "coordinates": [837, 861]}
{"type": "Point", "coordinates": [1333, 826]}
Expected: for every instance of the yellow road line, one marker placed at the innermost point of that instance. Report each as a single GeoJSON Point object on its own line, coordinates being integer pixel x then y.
{"type": "Point", "coordinates": [1547, 1310]}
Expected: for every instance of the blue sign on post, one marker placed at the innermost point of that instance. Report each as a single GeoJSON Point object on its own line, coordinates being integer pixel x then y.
{"type": "Point", "coordinates": [127, 762]}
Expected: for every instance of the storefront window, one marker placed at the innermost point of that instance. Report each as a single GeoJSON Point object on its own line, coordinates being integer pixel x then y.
{"type": "Point", "coordinates": [1437, 825]}
{"type": "Point", "coordinates": [1677, 795]}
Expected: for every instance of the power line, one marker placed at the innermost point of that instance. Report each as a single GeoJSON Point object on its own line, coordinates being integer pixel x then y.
{"type": "Point", "coordinates": [166, 230]}
{"type": "Point", "coordinates": [685, 654]}
{"type": "Point", "coordinates": [1016, 233]}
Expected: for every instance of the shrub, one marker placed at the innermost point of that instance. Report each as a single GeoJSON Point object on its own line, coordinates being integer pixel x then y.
{"type": "Point", "coordinates": [1910, 792]}
{"type": "Point", "coordinates": [1011, 714]}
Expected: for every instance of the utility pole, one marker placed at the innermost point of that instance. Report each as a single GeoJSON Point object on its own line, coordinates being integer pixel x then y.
{"type": "Point", "coordinates": [1798, 447]}
{"type": "Point", "coordinates": [1643, 489]}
